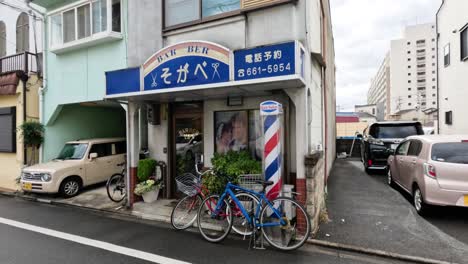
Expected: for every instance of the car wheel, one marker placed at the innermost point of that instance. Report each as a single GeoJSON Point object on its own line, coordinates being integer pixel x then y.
{"type": "Point", "coordinates": [70, 187]}
{"type": "Point", "coordinates": [419, 204]}
{"type": "Point", "coordinates": [390, 181]}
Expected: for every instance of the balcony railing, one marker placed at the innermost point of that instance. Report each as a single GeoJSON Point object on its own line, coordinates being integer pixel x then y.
{"type": "Point", "coordinates": [26, 62]}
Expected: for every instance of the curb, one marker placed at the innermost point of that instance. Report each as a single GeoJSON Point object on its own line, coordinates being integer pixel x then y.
{"type": "Point", "coordinates": [375, 252]}
{"type": "Point", "coordinates": [316, 242]}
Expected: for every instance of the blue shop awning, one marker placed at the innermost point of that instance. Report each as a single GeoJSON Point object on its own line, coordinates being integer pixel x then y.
{"type": "Point", "coordinates": [123, 81]}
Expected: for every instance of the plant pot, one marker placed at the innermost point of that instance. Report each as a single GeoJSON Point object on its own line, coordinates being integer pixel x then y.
{"type": "Point", "coordinates": [151, 196]}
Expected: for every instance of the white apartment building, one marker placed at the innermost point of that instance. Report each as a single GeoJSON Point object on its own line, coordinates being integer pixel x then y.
{"type": "Point", "coordinates": [20, 29]}
{"type": "Point", "coordinates": [413, 78]}
{"type": "Point", "coordinates": [379, 91]}
{"type": "Point", "coordinates": [452, 29]}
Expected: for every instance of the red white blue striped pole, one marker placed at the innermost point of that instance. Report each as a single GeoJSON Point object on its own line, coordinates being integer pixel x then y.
{"type": "Point", "coordinates": [271, 115]}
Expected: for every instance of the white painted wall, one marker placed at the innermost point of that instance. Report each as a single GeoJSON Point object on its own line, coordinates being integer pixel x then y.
{"type": "Point", "coordinates": [453, 79]}
{"type": "Point", "coordinates": [9, 15]}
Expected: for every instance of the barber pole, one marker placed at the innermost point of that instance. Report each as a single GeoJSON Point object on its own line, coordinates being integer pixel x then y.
{"type": "Point", "coordinates": [271, 115]}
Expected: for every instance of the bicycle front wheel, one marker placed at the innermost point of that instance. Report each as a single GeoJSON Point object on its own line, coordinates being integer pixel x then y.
{"type": "Point", "coordinates": [116, 188]}
{"type": "Point", "coordinates": [287, 224]}
{"type": "Point", "coordinates": [240, 224]}
{"type": "Point", "coordinates": [214, 226]}
{"type": "Point", "coordinates": [185, 212]}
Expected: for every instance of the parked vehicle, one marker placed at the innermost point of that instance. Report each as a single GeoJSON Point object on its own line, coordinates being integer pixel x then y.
{"type": "Point", "coordinates": [79, 164]}
{"type": "Point", "coordinates": [434, 169]}
{"type": "Point", "coordinates": [381, 139]}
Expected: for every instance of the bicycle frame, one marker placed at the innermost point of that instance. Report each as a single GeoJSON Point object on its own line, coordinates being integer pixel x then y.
{"type": "Point", "coordinates": [228, 191]}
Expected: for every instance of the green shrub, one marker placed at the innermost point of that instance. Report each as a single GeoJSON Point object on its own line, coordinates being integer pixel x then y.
{"type": "Point", "coordinates": [146, 186]}
{"type": "Point", "coordinates": [228, 167]}
{"type": "Point", "coordinates": [146, 167]}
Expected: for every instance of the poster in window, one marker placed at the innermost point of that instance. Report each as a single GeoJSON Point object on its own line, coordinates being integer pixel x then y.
{"type": "Point", "coordinates": [231, 130]}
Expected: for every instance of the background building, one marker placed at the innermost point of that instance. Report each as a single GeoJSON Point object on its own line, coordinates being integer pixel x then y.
{"type": "Point", "coordinates": [413, 78]}
{"type": "Point", "coordinates": [20, 81]}
{"type": "Point", "coordinates": [452, 28]}
{"type": "Point", "coordinates": [407, 79]}
{"type": "Point", "coordinates": [379, 90]}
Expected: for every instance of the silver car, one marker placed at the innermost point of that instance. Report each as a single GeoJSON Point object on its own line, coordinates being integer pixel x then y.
{"type": "Point", "coordinates": [434, 169]}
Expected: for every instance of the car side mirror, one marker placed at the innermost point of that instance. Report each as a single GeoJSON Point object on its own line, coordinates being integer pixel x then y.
{"type": "Point", "coordinates": [93, 155]}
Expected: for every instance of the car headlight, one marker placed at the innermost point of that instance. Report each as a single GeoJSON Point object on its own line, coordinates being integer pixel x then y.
{"type": "Point", "coordinates": [45, 177]}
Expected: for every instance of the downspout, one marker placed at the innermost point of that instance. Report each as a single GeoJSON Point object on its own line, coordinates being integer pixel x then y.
{"type": "Point", "coordinates": [43, 88]}
{"type": "Point", "coordinates": [437, 71]}
{"type": "Point", "coordinates": [324, 85]}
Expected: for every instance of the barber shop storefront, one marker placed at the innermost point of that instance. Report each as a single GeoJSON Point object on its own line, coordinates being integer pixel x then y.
{"type": "Point", "coordinates": [195, 99]}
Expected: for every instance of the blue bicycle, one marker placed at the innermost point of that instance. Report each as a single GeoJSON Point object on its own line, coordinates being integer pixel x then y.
{"type": "Point", "coordinates": [283, 222]}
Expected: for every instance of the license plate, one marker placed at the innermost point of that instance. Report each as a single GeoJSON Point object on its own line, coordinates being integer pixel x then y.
{"type": "Point", "coordinates": [466, 200]}
{"type": "Point", "coordinates": [27, 186]}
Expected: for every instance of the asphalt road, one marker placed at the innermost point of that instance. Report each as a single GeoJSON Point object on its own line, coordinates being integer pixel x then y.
{"type": "Point", "coordinates": [39, 233]}
{"type": "Point", "coordinates": [364, 211]}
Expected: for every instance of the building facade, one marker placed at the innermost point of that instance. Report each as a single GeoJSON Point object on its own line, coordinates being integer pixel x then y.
{"type": "Point", "coordinates": [20, 81]}
{"type": "Point", "coordinates": [452, 29]}
{"type": "Point", "coordinates": [83, 40]}
{"type": "Point", "coordinates": [413, 78]}
{"type": "Point", "coordinates": [379, 90]}
{"type": "Point", "coordinates": [209, 65]}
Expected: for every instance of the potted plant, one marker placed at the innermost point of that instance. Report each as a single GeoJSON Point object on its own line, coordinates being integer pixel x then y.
{"type": "Point", "coordinates": [148, 189]}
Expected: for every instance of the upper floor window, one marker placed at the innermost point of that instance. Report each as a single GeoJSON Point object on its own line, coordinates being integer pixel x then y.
{"type": "Point", "coordinates": [84, 21]}
{"type": "Point", "coordinates": [185, 11]}
{"type": "Point", "coordinates": [447, 55]}
{"type": "Point", "coordinates": [2, 39]}
{"type": "Point", "coordinates": [464, 43]}
{"type": "Point", "coordinates": [22, 33]}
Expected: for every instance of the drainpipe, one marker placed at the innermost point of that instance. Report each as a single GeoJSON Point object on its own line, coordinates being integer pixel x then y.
{"type": "Point", "coordinates": [325, 104]}
{"type": "Point", "coordinates": [43, 88]}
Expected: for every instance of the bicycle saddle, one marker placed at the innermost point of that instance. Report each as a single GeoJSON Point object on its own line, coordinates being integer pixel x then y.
{"type": "Point", "coordinates": [265, 183]}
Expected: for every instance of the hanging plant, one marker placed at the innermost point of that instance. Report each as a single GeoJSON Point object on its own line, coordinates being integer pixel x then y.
{"type": "Point", "coordinates": [32, 133]}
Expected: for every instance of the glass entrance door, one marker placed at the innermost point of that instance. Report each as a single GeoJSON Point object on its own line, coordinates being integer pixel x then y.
{"type": "Point", "coordinates": [187, 139]}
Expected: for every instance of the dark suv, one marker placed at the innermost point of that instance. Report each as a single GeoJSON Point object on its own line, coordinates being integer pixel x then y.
{"type": "Point", "coordinates": [381, 139]}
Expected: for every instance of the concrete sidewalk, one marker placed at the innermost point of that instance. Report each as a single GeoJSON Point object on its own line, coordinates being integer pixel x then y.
{"type": "Point", "coordinates": [365, 212]}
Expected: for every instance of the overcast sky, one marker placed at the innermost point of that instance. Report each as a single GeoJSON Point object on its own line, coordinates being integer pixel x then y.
{"type": "Point", "coordinates": [363, 30]}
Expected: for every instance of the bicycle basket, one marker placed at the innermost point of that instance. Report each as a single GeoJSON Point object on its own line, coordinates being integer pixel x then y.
{"type": "Point", "coordinates": [188, 184]}
{"type": "Point", "coordinates": [248, 181]}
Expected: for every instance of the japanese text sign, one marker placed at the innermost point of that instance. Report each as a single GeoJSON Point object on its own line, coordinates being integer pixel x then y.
{"type": "Point", "coordinates": [267, 61]}
{"type": "Point", "coordinates": [186, 64]}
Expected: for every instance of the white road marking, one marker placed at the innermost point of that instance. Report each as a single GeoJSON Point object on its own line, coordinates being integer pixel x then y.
{"type": "Point", "coordinates": [93, 243]}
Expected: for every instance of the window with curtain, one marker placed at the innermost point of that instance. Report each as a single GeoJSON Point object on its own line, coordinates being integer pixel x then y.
{"type": "Point", "coordinates": [56, 30]}
{"type": "Point", "coordinates": [99, 16]}
{"type": "Point", "coordinates": [181, 11]}
{"type": "Point", "coordinates": [2, 39]}
{"type": "Point", "coordinates": [69, 26]}
{"type": "Point", "coordinates": [215, 7]}
{"type": "Point", "coordinates": [84, 21]}
{"type": "Point", "coordinates": [22, 33]}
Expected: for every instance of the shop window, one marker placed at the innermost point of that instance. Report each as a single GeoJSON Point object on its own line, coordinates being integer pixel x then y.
{"type": "Point", "coordinates": [8, 129]}
{"type": "Point", "coordinates": [22, 33]}
{"type": "Point", "coordinates": [237, 131]}
{"type": "Point", "coordinates": [2, 39]}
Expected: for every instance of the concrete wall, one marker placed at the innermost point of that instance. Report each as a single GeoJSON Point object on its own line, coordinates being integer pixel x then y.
{"type": "Point", "coordinates": [81, 122]}
{"type": "Point", "coordinates": [453, 79]}
{"type": "Point", "coordinates": [10, 16]}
